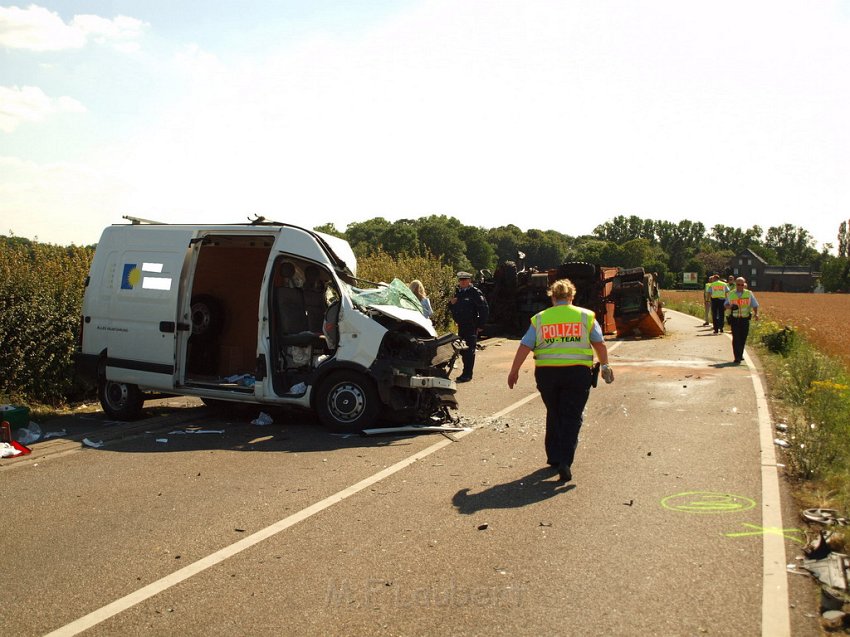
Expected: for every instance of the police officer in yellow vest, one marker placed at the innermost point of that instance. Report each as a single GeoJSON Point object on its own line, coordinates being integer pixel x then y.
{"type": "Point", "coordinates": [564, 339]}
{"type": "Point", "coordinates": [741, 304]}
{"type": "Point", "coordinates": [719, 290]}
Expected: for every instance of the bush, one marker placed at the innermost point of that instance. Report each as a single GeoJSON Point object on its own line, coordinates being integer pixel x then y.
{"type": "Point", "coordinates": [780, 341]}
{"type": "Point", "coordinates": [438, 278]}
{"type": "Point", "coordinates": [41, 291]}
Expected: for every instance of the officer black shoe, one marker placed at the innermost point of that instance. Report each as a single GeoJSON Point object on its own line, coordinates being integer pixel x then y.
{"type": "Point", "coordinates": [463, 378]}
{"type": "Point", "coordinates": [565, 473]}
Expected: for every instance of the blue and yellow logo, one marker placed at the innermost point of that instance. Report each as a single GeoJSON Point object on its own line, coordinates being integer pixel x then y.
{"type": "Point", "coordinates": [131, 277]}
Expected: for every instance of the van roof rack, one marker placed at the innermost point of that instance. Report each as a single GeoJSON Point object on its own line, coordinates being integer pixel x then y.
{"type": "Point", "coordinates": [138, 220]}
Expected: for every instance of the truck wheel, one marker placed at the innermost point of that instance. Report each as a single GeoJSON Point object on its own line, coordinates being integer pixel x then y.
{"type": "Point", "coordinates": [207, 317]}
{"type": "Point", "coordinates": [121, 401]}
{"type": "Point", "coordinates": [347, 401]}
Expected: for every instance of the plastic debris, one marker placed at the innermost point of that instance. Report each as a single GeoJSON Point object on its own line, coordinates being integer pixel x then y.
{"type": "Point", "coordinates": [162, 440]}
{"type": "Point", "coordinates": [29, 434]}
{"type": "Point", "coordinates": [12, 449]}
{"type": "Point", "coordinates": [824, 516]}
{"type": "Point", "coordinates": [54, 434]}
{"type": "Point", "coordinates": [482, 527]}
{"type": "Point", "coordinates": [300, 388]}
{"type": "Point", "coordinates": [781, 426]}
{"type": "Point", "coordinates": [833, 619]}
{"type": "Point", "coordinates": [414, 429]}
{"type": "Point", "coordinates": [779, 442]}
{"type": "Point", "coordinates": [263, 419]}
{"type": "Point", "coordinates": [96, 444]}
{"type": "Point", "coordinates": [178, 432]}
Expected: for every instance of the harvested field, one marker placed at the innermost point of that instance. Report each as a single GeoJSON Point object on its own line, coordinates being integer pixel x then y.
{"type": "Point", "coordinates": [820, 317]}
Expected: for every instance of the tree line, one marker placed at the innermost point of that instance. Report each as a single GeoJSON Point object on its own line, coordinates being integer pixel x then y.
{"type": "Point", "coordinates": [664, 247]}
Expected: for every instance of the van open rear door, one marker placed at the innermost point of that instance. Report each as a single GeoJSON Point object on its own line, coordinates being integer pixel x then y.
{"type": "Point", "coordinates": [148, 279]}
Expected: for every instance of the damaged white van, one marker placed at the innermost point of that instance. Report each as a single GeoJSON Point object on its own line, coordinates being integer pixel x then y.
{"type": "Point", "coordinates": [262, 312]}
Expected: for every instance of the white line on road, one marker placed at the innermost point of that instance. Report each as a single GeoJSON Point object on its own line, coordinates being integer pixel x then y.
{"type": "Point", "coordinates": [775, 619]}
{"type": "Point", "coordinates": [154, 588]}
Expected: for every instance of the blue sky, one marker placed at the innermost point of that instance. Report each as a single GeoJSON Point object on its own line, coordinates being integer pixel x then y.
{"type": "Point", "coordinates": [541, 113]}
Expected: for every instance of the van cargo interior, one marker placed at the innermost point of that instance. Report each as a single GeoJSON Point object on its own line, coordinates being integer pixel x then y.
{"type": "Point", "coordinates": [225, 297]}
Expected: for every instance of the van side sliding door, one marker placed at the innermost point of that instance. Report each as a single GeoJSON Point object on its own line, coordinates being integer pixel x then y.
{"type": "Point", "coordinates": [144, 324]}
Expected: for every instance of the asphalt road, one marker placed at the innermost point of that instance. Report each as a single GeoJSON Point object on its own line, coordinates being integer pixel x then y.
{"type": "Point", "coordinates": [671, 526]}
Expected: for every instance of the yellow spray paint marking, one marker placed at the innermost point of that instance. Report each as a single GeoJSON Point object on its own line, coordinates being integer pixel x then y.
{"type": "Point", "coordinates": [769, 530]}
{"type": "Point", "coordinates": [707, 502]}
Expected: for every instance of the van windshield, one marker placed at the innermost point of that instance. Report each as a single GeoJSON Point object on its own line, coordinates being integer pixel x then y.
{"type": "Point", "coordinates": [395, 293]}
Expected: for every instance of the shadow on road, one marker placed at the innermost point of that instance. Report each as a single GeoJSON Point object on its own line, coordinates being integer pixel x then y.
{"type": "Point", "coordinates": [535, 487]}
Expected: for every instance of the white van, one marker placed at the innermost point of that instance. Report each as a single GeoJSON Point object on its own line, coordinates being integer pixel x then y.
{"type": "Point", "coordinates": [265, 313]}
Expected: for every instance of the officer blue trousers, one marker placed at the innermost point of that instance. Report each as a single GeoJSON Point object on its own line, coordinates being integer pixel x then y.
{"type": "Point", "coordinates": [470, 335]}
{"type": "Point", "coordinates": [740, 331]}
{"type": "Point", "coordinates": [718, 311]}
{"type": "Point", "coordinates": [564, 391]}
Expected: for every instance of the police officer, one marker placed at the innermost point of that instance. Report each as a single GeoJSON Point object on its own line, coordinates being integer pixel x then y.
{"type": "Point", "coordinates": [741, 304]}
{"type": "Point", "coordinates": [470, 311]}
{"type": "Point", "coordinates": [564, 339]}
{"type": "Point", "coordinates": [719, 289]}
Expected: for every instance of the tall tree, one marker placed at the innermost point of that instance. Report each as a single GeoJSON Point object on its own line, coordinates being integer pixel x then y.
{"type": "Point", "coordinates": [506, 241]}
{"type": "Point", "coordinates": [735, 239]}
{"type": "Point", "coordinates": [621, 229]}
{"type": "Point", "coordinates": [365, 236]}
{"type": "Point", "coordinates": [842, 239]}
{"type": "Point", "coordinates": [793, 245]}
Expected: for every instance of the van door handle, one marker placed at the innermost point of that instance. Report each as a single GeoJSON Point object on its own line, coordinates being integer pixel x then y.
{"type": "Point", "coordinates": [166, 326]}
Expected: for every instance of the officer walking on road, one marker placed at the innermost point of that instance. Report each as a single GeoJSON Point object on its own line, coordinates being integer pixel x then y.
{"type": "Point", "coordinates": [719, 289]}
{"type": "Point", "coordinates": [741, 305]}
{"type": "Point", "coordinates": [564, 339]}
{"type": "Point", "coordinates": [470, 311]}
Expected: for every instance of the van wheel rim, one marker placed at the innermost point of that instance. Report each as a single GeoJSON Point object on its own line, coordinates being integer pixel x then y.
{"type": "Point", "coordinates": [347, 402]}
{"type": "Point", "coordinates": [116, 394]}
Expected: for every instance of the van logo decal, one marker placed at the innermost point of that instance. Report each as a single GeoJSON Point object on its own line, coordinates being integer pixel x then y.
{"type": "Point", "coordinates": [131, 277]}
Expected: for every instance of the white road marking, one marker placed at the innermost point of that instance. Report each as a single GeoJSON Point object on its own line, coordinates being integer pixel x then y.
{"type": "Point", "coordinates": [154, 588]}
{"type": "Point", "coordinates": [775, 618]}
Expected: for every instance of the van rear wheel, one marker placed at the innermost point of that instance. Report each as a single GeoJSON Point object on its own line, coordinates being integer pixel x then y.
{"type": "Point", "coordinates": [121, 401]}
{"type": "Point", "coordinates": [347, 401]}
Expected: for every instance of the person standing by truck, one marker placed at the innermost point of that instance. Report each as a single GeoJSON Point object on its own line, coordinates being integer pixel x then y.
{"type": "Point", "coordinates": [741, 305]}
{"type": "Point", "coordinates": [470, 311]}
{"type": "Point", "coordinates": [564, 339]}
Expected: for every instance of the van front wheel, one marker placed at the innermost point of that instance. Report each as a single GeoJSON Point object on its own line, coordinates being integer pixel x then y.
{"type": "Point", "coordinates": [347, 401]}
{"type": "Point", "coordinates": [121, 401]}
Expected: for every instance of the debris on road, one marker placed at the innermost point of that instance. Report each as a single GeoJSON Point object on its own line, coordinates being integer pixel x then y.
{"type": "Point", "coordinates": [178, 432]}
{"type": "Point", "coordinates": [779, 442]}
{"type": "Point", "coordinates": [95, 444]}
{"type": "Point", "coordinates": [13, 449]}
{"type": "Point", "coordinates": [263, 419]}
{"type": "Point", "coordinates": [414, 429]}
{"type": "Point", "coordinates": [29, 434]}
{"type": "Point", "coordinates": [55, 434]}
{"type": "Point", "coordinates": [824, 516]}
{"type": "Point", "coordinates": [483, 527]}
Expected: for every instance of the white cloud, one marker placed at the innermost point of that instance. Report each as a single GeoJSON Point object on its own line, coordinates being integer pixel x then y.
{"type": "Point", "coordinates": [58, 203]}
{"type": "Point", "coordinates": [30, 104]}
{"type": "Point", "coordinates": [38, 29]}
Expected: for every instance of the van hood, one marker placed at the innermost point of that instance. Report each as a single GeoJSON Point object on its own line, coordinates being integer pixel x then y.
{"type": "Point", "coordinates": [405, 316]}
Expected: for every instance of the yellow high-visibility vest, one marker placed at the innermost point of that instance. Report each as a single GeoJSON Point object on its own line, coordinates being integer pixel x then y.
{"type": "Point", "coordinates": [743, 302]}
{"type": "Point", "coordinates": [719, 290]}
{"type": "Point", "coordinates": [563, 336]}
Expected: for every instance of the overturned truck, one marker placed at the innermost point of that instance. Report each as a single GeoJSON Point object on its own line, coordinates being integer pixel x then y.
{"type": "Point", "coordinates": [625, 300]}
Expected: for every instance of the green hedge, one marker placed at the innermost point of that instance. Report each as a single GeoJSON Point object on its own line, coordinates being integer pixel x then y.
{"type": "Point", "coordinates": [41, 291]}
